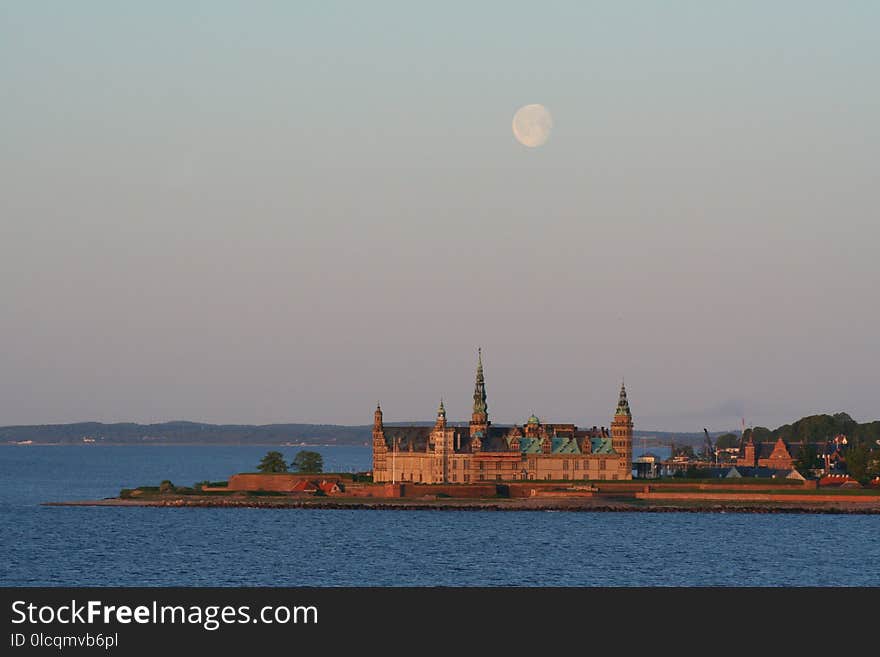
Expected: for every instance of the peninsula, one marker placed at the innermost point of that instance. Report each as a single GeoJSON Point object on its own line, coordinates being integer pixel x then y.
{"type": "Point", "coordinates": [347, 491]}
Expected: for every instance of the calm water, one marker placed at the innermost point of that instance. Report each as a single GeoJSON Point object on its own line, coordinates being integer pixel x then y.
{"type": "Point", "coordinates": [231, 547]}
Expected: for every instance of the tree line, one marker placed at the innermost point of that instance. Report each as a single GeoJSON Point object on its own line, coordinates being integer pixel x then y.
{"type": "Point", "coordinates": [305, 462]}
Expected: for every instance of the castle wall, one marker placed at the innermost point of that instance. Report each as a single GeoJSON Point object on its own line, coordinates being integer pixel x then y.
{"type": "Point", "coordinates": [282, 482]}
{"type": "Point", "coordinates": [429, 468]}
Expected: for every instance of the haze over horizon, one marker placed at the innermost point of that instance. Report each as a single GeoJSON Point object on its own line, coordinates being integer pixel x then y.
{"type": "Point", "coordinates": [236, 214]}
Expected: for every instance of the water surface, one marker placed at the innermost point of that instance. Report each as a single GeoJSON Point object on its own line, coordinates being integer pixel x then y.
{"type": "Point", "coordinates": [301, 547]}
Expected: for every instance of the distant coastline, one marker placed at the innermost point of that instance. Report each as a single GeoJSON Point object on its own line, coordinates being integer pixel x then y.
{"type": "Point", "coordinates": [184, 433]}
{"type": "Point", "coordinates": [177, 444]}
{"type": "Point", "coordinates": [199, 433]}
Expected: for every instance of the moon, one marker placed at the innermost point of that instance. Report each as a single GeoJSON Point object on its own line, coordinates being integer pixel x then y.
{"type": "Point", "coordinates": [532, 125]}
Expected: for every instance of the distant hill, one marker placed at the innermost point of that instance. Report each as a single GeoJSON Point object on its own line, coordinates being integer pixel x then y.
{"type": "Point", "coordinates": [188, 433]}
{"type": "Point", "coordinates": [812, 428]}
{"type": "Point", "coordinates": [181, 432]}
{"type": "Point", "coordinates": [818, 428]}
{"type": "Point", "coordinates": [678, 437]}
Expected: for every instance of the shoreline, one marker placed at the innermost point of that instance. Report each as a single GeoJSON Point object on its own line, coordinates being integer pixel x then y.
{"type": "Point", "coordinates": [598, 505]}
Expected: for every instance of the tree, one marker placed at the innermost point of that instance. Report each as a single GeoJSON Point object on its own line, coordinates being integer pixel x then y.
{"type": "Point", "coordinates": [727, 440]}
{"type": "Point", "coordinates": [272, 462]}
{"type": "Point", "coordinates": [684, 450]}
{"type": "Point", "coordinates": [858, 461]}
{"type": "Point", "coordinates": [166, 486]}
{"type": "Point", "coordinates": [759, 435]}
{"type": "Point", "coordinates": [807, 459]}
{"type": "Point", "coordinates": [309, 462]}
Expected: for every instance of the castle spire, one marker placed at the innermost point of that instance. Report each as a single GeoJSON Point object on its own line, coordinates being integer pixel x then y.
{"type": "Point", "coordinates": [480, 386]}
{"type": "Point", "coordinates": [441, 416]}
{"type": "Point", "coordinates": [480, 416]}
{"type": "Point", "coordinates": [622, 402]}
{"type": "Point", "coordinates": [377, 418]}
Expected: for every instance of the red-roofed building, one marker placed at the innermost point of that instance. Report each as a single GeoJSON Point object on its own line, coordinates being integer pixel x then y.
{"type": "Point", "coordinates": [305, 486]}
{"type": "Point", "coordinates": [764, 455]}
{"type": "Point", "coordinates": [313, 486]}
{"type": "Point", "coordinates": [839, 481]}
{"type": "Point", "coordinates": [330, 487]}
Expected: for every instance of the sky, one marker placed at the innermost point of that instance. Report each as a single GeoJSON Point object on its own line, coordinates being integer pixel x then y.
{"type": "Point", "coordinates": [283, 212]}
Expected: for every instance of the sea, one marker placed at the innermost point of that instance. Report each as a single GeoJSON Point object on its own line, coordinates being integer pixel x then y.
{"type": "Point", "coordinates": [111, 546]}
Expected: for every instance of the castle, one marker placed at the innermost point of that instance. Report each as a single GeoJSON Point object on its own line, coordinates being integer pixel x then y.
{"type": "Point", "coordinates": [484, 452]}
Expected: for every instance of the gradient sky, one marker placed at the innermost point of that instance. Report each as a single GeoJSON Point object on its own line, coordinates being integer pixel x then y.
{"type": "Point", "coordinates": [284, 211]}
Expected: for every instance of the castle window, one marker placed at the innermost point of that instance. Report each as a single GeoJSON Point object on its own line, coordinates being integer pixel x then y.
{"type": "Point", "coordinates": [565, 464]}
{"type": "Point", "coordinates": [482, 465]}
{"type": "Point", "coordinates": [454, 477]}
{"type": "Point", "coordinates": [497, 477]}
{"type": "Point", "coordinates": [498, 465]}
{"type": "Point", "coordinates": [467, 478]}
{"type": "Point", "coordinates": [454, 462]}
{"type": "Point", "coordinates": [482, 477]}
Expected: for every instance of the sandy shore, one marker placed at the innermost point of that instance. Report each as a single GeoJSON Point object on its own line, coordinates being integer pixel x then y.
{"type": "Point", "coordinates": [517, 504]}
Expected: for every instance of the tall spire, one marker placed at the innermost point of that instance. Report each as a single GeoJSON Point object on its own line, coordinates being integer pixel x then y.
{"type": "Point", "coordinates": [480, 417]}
{"type": "Point", "coordinates": [441, 416]}
{"type": "Point", "coordinates": [622, 402]}
{"type": "Point", "coordinates": [480, 387]}
{"type": "Point", "coordinates": [377, 418]}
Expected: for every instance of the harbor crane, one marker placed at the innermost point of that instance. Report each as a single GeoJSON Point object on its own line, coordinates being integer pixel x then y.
{"type": "Point", "coordinates": [710, 448]}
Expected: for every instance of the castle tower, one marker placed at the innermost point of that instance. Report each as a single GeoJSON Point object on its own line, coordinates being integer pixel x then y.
{"type": "Point", "coordinates": [380, 448]}
{"type": "Point", "coordinates": [749, 458]}
{"type": "Point", "coordinates": [377, 419]}
{"type": "Point", "coordinates": [480, 416]}
{"type": "Point", "coordinates": [441, 443]}
{"type": "Point", "coordinates": [622, 433]}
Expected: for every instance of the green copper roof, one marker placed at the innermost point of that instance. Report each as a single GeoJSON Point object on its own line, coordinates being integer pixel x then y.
{"type": "Point", "coordinates": [530, 446]}
{"type": "Point", "coordinates": [559, 445]}
{"type": "Point", "coordinates": [602, 446]}
{"type": "Point", "coordinates": [533, 419]}
{"type": "Point", "coordinates": [565, 446]}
